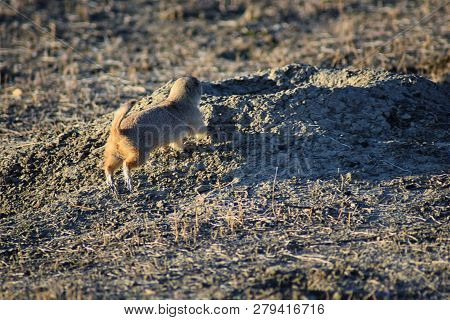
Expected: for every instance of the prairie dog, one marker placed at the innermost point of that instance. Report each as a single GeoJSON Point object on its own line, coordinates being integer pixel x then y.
{"type": "Point", "coordinates": [134, 136]}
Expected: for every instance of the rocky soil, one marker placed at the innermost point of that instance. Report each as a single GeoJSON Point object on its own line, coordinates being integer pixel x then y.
{"type": "Point", "coordinates": [317, 183]}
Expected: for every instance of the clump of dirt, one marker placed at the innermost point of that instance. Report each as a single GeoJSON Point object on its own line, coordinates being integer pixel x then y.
{"type": "Point", "coordinates": [318, 183]}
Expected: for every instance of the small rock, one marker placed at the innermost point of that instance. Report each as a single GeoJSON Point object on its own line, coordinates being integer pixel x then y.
{"type": "Point", "coordinates": [17, 93]}
{"type": "Point", "coordinates": [405, 116]}
{"type": "Point", "coordinates": [202, 188]}
{"type": "Point", "coordinates": [200, 166]}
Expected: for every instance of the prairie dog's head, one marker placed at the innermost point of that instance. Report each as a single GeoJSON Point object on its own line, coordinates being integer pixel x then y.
{"type": "Point", "coordinates": [186, 89]}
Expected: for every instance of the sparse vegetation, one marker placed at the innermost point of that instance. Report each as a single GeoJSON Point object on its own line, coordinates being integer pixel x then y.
{"type": "Point", "coordinates": [318, 183]}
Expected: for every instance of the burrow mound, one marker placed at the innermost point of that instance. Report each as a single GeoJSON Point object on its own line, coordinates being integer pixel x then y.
{"type": "Point", "coordinates": [298, 121]}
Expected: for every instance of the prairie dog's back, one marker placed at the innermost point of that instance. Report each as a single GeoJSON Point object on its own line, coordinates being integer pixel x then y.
{"type": "Point", "coordinates": [176, 117]}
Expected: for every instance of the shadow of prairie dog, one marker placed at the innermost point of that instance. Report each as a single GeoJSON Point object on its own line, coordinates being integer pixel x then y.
{"type": "Point", "coordinates": [134, 136]}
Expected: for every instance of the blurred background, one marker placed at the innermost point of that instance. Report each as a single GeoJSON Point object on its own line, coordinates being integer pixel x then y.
{"type": "Point", "coordinates": [75, 60]}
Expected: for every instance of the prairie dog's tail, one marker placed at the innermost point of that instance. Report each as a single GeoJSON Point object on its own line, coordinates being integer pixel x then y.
{"type": "Point", "coordinates": [120, 115]}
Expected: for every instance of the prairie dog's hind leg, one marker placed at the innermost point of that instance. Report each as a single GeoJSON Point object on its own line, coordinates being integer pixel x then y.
{"type": "Point", "coordinates": [129, 163]}
{"type": "Point", "coordinates": [109, 179]}
{"type": "Point", "coordinates": [111, 164]}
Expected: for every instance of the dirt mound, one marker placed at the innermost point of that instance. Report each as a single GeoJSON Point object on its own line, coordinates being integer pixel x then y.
{"type": "Point", "coordinates": [307, 167]}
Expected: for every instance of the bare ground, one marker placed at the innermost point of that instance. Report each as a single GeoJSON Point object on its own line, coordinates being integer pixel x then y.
{"type": "Point", "coordinates": [318, 182]}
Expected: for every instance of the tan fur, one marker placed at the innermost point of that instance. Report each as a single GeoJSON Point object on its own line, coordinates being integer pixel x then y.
{"type": "Point", "coordinates": [133, 137]}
